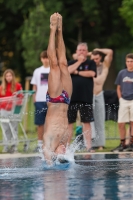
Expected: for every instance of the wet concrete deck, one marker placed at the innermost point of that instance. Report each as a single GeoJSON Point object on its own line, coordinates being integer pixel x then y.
{"type": "Point", "coordinates": [21, 155]}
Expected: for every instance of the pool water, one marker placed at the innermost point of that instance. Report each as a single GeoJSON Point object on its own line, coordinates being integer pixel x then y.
{"type": "Point", "coordinates": [92, 177]}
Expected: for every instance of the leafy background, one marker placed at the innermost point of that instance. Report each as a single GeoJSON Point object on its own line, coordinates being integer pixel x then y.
{"type": "Point", "coordinates": [24, 30]}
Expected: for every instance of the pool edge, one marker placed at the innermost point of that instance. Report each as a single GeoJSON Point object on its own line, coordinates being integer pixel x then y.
{"type": "Point", "coordinates": [21, 155]}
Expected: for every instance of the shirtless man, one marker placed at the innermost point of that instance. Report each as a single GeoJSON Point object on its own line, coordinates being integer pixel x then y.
{"type": "Point", "coordinates": [59, 92]}
{"type": "Point", "coordinates": [98, 102]}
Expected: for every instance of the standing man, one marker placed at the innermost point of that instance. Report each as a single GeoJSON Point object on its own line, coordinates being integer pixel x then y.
{"type": "Point", "coordinates": [124, 82]}
{"type": "Point", "coordinates": [82, 72]}
{"type": "Point", "coordinates": [98, 100]}
{"type": "Point", "coordinates": [40, 86]}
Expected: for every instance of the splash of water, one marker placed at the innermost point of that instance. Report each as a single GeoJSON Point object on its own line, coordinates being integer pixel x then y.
{"type": "Point", "coordinates": [76, 145]}
{"type": "Point", "coordinates": [66, 158]}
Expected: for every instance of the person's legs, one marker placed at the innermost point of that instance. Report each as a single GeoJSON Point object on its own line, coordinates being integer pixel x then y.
{"type": "Point", "coordinates": [78, 125]}
{"type": "Point", "coordinates": [70, 130]}
{"type": "Point", "coordinates": [123, 117]}
{"type": "Point", "coordinates": [40, 131]}
{"type": "Point", "coordinates": [40, 115]}
{"type": "Point", "coordinates": [72, 114]}
{"type": "Point", "coordinates": [122, 133]}
{"type": "Point", "coordinates": [61, 54]}
{"type": "Point", "coordinates": [9, 139]}
{"type": "Point", "coordinates": [131, 135]}
{"type": "Point", "coordinates": [87, 135]}
{"type": "Point", "coordinates": [131, 117]}
{"type": "Point", "coordinates": [130, 146]}
{"type": "Point", "coordinates": [14, 147]}
{"type": "Point", "coordinates": [99, 120]}
{"type": "Point", "coordinates": [7, 135]}
{"type": "Point", "coordinates": [93, 130]}
{"type": "Point", "coordinates": [86, 114]}
{"type": "Point", "coordinates": [128, 135]}
{"type": "Point", "coordinates": [54, 79]}
{"type": "Point", "coordinates": [122, 130]}
{"type": "Point", "coordinates": [131, 128]}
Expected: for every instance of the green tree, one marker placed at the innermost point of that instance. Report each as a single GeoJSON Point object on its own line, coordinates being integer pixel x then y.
{"type": "Point", "coordinates": [24, 28]}
{"type": "Point", "coordinates": [126, 12]}
{"type": "Point", "coordinates": [11, 20]}
{"type": "Point", "coordinates": [35, 34]}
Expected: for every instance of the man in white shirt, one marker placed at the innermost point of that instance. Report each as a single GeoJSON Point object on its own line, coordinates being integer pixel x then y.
{"type": "Point", "coordinates": [40, 86]}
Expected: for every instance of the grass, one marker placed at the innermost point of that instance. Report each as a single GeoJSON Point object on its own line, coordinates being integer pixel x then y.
{"type": "Point", "coordinates": [112, 135]}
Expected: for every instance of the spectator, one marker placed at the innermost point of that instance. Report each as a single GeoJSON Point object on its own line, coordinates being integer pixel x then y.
{"type": "Point", "coordinates": [98, 98]}
{"type": "Point", "coordinates": [8, 87]}
{"type": "Point", "coordinates": [40, 86]}
{"type": "Point", "coordinates": [124, 82]}
{"type": "Point", "coordinates": [82, 72]}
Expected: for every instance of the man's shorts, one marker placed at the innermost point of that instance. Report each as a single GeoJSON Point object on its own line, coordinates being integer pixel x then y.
{"type": "Point", "coordinates": [40, 112]}
{"type": "Point", "coordinates": [125, 113]}
{"type": "Point", "coordinates": [85, 110]}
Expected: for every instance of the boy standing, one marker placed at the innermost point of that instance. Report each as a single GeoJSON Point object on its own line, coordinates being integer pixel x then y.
{"type": "Point", "coordinates": [40, 86]}
{"type": "Point", "coordinates": [124, 82]}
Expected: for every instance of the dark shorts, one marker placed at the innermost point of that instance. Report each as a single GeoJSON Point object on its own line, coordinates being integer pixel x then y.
{"type": "Point", "coordinates": [85, 109]}
{"type": "Point", "coordinates": [40, 112]}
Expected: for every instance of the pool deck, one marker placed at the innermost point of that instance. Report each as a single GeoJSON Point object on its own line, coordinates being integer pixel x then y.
{"type": "Point", "coordinates": [21, 155]}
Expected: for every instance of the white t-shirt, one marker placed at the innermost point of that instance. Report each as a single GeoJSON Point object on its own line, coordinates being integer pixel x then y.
{"type": "Point", "coordinates": [40, 79]}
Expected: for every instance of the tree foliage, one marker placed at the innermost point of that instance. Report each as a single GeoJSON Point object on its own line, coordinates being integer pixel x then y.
{"type": "Point", "coordinates": [35, 36]}
{"type": "Point", "coordinates": [24, 28]}
{"type": "Point", "coordinates": [126, 11]}
{"type": "Point", "coordinates": [11, 21]}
